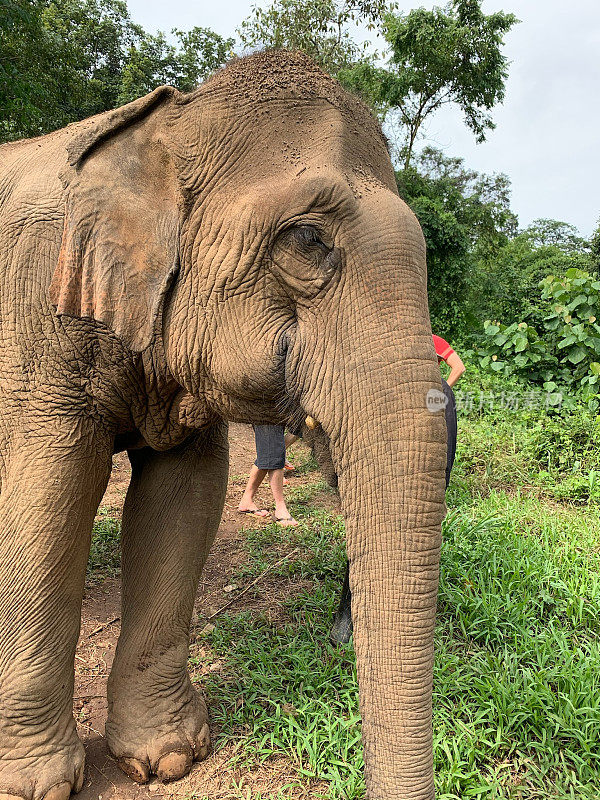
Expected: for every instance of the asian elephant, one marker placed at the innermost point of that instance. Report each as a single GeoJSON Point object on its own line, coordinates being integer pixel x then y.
{"type": "Point", "coordinates": [237, 253]}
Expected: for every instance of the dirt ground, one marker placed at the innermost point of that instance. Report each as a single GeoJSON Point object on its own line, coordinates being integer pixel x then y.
{"type": "Point", "coordinates": [100, 630]}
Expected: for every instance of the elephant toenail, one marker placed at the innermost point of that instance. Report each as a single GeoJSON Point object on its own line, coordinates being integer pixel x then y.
{"type": "Point", "coordinates": [202, 743]}
{"type": "Point", "coordinates": [79, 776]}
{"type": "Point", "coordinates": [59, 792]}
{"type": "Point", "coordinates": [135, 769]}
{"type": "Point", "coordinates": [173, 766]}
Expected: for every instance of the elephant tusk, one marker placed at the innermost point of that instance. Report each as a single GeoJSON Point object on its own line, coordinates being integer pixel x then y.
{"type": "Point", "coordinates": [311, 423]}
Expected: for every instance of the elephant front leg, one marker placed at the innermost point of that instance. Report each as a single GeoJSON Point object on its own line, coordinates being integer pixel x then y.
{"type": "Point", "coordinates": [49, 497]}
{"type": "Point", "coordinates": [157, 723]}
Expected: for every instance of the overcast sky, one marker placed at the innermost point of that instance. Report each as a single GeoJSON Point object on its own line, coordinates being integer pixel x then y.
{"type": "Point", "coordinates": [548, 130]}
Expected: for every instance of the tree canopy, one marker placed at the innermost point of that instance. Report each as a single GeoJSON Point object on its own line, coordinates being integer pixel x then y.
{"type": "Point", "coordinates": [321, 28]}
{"type": "Point", "coordinates": [153, 61]}
{"type": "Point", "coordinates": [465, 217]}
{"type": "Point", "coordinates": [437, 57]}
{"type": "Point", "coordinates": [64, 60]}
{"type": "Point", "coordinates": [28, 53]}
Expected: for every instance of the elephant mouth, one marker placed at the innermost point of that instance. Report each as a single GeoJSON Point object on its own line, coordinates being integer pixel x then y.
{"type": "Point", "coordinates": [288, 405]}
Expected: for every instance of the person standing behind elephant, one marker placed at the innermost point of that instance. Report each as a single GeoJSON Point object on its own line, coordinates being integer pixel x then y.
{"type": "Point", "coordinates": [270, 459]}
{"type": "Point", "coordinates": [341, 630]}
{"type": "Point", "coordinates": [445, 352]}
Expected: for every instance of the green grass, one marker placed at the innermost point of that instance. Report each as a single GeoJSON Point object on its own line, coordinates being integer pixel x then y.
{"type": "Point", "coordinates": [105, 551]}
{"type": "Point", "coordinates": [303, 461]}
{"type": "Point", "coordinates": [554, 454]}
{"type": "Point", "coordinates": [517, 682]}
{"type": "Point", "coordinates": [517, 667]}
{"type": "Point", "coordinates": [517, 672]}
{"type": "Point", "coordinates": [556, 457]}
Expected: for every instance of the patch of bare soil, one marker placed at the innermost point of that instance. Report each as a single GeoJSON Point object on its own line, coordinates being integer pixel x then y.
{"type": "Point", "coordinates": [211, 779]}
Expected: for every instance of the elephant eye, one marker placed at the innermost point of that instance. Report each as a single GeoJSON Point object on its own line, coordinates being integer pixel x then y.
{"type": "Point", "coordinates": [309, 236]}
{"type": "Point", "coordinates": [303, 260]}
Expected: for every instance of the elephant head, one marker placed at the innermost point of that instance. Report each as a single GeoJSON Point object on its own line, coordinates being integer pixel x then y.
{"type": "Point", "coordinates": [251, 235]}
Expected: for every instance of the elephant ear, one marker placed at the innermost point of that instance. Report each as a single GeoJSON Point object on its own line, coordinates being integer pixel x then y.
{"type": "Point", "coordinates": [119, 248]}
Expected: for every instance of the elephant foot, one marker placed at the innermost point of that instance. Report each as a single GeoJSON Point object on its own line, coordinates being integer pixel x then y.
{"type": "Point", "coordinates": [53, 775]}
{"type": "Point", "coordinates": [158, 734]}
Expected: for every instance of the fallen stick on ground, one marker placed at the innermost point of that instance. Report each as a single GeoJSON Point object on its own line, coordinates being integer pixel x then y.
{"type": "Point", "coordinates": [250, 585]}
{"type": "Point", "coordinates": [101, 627]}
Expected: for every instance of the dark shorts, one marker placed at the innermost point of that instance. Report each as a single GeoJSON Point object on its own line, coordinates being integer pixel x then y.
{"type": "Point", "coordinates": [451, 428]}
{"type": "Point", "coordinates": [270, 446]}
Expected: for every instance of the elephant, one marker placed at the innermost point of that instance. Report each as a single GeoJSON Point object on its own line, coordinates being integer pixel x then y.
{"type": "Point", "coordinates": [237, 253]}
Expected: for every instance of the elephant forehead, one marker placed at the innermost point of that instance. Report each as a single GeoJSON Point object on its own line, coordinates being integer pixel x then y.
{"type": "Point", "coordinates": [281, 75]}
{"type": "Point", "coordinates": [289, 195]}
{"type": "Point", "coordinates": [234, 147]}
{"type": "Point", "coordinates": [293, 136]}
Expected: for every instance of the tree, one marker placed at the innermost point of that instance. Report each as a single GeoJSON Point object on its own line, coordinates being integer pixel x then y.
{"type": "Point", "coordinates": [552, 232]}
{"type": "Point", "coordinates": [561, 348]}
{"type": "Point", "coordinates": [63, 60]}
{"type": "Point", "coordinates": [154, 61]}
{"type": "Point", "coordinates": [595, 251]}
{"type": "Point", "coordinates": [201, 51]}
{"type": "Point", "coordinates": [446, 55]}
{"type": "Point", "coordinates": [318, 27]}
{"type": "Point", "coordinates": [95, 37]}
{"type": "Point", "coordinates": [506, 283]}
{"type": "Point", "coordinates": [464, 215]}
{"type": "Point", "coordinates": [27, 56]}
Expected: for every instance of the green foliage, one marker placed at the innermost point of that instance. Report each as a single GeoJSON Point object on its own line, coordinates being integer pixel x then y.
{"type": "Point", "coordinates": [28, 53]}
{"type": "Point", "coordinates": [565, 351]}
{"type": "Point", "coordinates": [595, 251]}
{"type": "Point", "coordinates": [506, 280]}
{"type": "Point", "coordinates": [448, 264]}
{"type": "Point", "coordinates": [153, 61]}
{"type": "Point", "coordinates": [105, 550]}
{"type": "Point", "coordinates": [94, 37]}
{"type": "Point", "coordinates": [512, 434]}
{"type": "Point", "coordinates": [554, 233]}
{"type": "Point", "coordinates": [520, 349]}
{"type": "Point", "coordinates": [64, 60]}
{"type": "Point", "coordinates": [516, 687]}
{"type": "Point", "coordinates": [321, 28]}
{"type": "Point", "coordinates": [463, 214]}
{"type": "Point", "coordinates": [439, 56]}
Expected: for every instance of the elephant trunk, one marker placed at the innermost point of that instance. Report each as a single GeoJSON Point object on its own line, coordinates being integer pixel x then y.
{"type": "Point", "coordinates": [390, 464]}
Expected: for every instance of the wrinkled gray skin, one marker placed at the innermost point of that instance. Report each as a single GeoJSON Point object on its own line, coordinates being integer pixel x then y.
{"type": "Point", "coordinates": [238, 253]}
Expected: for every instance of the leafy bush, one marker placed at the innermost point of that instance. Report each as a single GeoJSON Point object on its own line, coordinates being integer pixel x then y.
{"type": "Point", "coordinates": [565, 353]}
{"type": "Point", "coordinates": [509, 435]}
